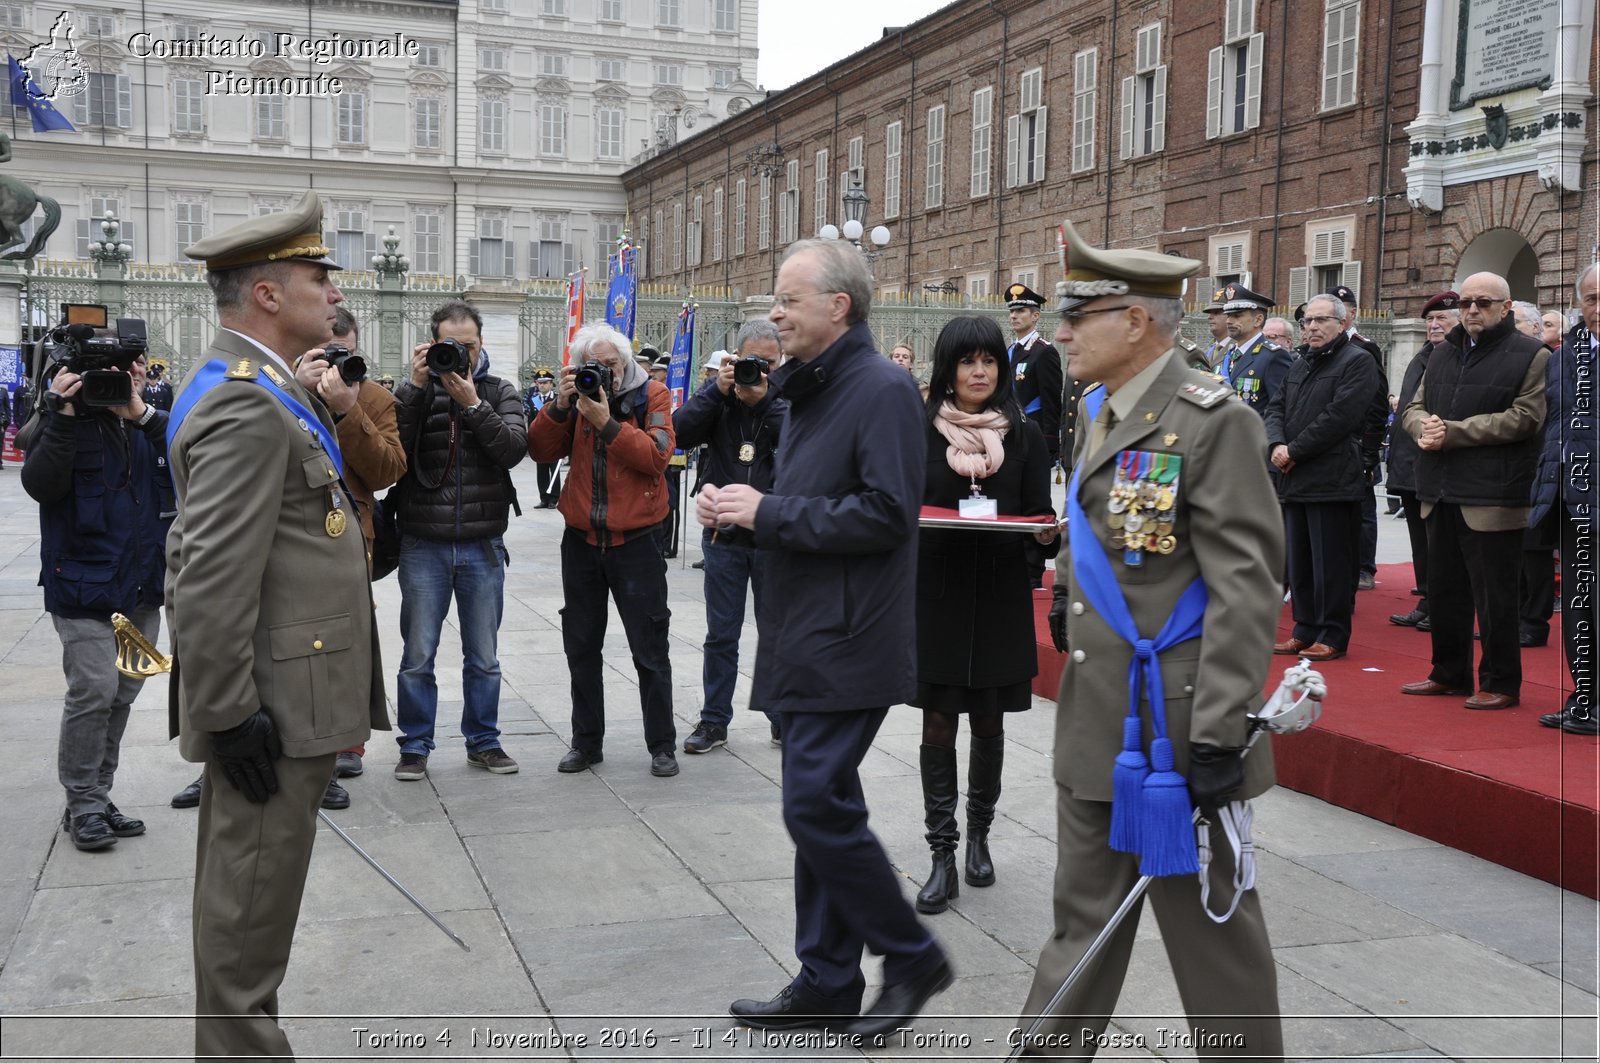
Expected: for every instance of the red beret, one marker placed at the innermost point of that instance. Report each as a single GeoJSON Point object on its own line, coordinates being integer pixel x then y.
{"type": "Point", "coordinates": [1442, 301]}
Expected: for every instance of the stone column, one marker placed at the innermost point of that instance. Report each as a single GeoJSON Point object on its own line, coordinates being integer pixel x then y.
{"type": "Point", "coordinates": [502, 328]}
{"type": "Point", "coordinates": [1425, 173]}
{"type": "Point", "coordinates": [1562, 148]}
{"type": "Point", "coordinates": [1408, 338]}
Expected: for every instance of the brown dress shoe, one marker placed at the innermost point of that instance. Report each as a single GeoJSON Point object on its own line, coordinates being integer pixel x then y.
{"type": "Point", "coordinates": [1487, 699]}
{"type": "Point", "coordinates": [1321, 651]}
{"type": "Point", "coordinates": [1291, 647]}
{"type": "Point", "coordinates": [1428, 688]}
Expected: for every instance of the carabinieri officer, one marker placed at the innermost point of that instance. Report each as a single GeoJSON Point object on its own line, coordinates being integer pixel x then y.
{"type": "Point", "coordinates": [1256, 366]}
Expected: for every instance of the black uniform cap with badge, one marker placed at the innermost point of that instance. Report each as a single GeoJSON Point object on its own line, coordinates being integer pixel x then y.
{"type": "Point", "coordinates": [1021, 297]}
{"type": "Point", "coordinates": [1144, 491]}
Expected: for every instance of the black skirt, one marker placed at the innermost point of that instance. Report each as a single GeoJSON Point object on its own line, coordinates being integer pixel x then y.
{"type": "Point", "coordinates": [954, 700]}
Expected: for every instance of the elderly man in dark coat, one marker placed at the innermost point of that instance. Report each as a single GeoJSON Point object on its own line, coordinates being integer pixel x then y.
{"type": "Point", "coordinates": [840, 646]}
{"type": "Point", "coordinates": [1477, 420]}
{"type": "Point", "coordinates": [1314, 423]}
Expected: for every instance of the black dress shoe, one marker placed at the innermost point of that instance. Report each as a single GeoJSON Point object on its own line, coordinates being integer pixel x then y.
{"type": "Point", "coordinates": [189, 796]}
{"type": "Point", "coordinates": [789, 1010]}
{"type": "Point", "coordinates": [902, 1002]}
{"type": "Point", "coordinates": [123, 826]}
{"type": "Point", "coordinates": [664, 765]}
{"type": "Point", "coordinates": [578, 759]}
{"type": "Point", "coordinates": [1528, 640]}
{"type": "Point", "coordinates": [89, 831]}
{"type": "Point", "coordinates": [1411, 619]}
{"type": "Point", "coordinates": [335, 796]}
{"type": "Point", "coordinates": [1580, 725]}
{"type": "Point", "coordinates": [1554, 719]}
{"type": "Point", "coordinates": [1425, 624]}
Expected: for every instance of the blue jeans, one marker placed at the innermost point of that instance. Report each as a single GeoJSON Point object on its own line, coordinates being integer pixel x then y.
{"type": "Point", "coordinates": [729, 568]}
{"type": "Point", "coordinates": [474, 570]}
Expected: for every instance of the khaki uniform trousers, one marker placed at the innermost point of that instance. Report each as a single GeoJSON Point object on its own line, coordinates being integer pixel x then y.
{"type": "Point", "coordinates": [1225, 972]}
{"type": "Point", "coordinates": [250, 871]}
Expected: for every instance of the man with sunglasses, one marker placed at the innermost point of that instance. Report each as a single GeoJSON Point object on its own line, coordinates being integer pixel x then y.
{"type": "Point", "coordinates": [1477, 419]}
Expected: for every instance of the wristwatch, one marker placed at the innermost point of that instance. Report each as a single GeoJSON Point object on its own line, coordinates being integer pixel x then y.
{"type": "Point", "coordinates": [144, 418]}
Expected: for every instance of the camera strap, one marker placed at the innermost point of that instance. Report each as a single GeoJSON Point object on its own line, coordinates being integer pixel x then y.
{"type": "Point", "coordinates": [216, 371]}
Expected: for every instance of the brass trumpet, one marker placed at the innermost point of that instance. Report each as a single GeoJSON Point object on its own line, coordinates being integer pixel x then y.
{"type": "Point", "coordinates": [136, 657]}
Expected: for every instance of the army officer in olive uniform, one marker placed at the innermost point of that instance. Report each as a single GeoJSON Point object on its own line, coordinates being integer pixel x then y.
{"type": "Point", "coordinates": [1256, 366]}
{"type": "Point", "coordinates": [270, 613]}
{"type": "Point", "coordinates": [1170, 488]}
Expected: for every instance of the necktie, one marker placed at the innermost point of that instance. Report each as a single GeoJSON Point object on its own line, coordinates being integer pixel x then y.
{"type": "Point", "coordinates": [1103, 425]}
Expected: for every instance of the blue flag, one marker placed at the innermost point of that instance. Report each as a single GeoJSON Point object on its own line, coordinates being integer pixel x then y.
{"type": "Point", "coordinates": [41, 112]}
{"type": "Point", "coordinates": [621, 291]}
{"type": "Point", "coordinates": [682, 355]}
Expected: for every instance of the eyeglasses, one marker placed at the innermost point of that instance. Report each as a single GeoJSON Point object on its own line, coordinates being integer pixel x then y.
{"type": "Point", "coordinates": [1072, 317]}
{"type": "Point", "coordinates": [1482, 302]}
{"type": "Point", "coordinates": [1321, 320]}
{"type": "Point", "coordinates": [786, 301]}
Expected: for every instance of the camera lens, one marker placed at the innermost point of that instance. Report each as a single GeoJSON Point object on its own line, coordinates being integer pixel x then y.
{"type": "Point", "coordinates": [449, 356]}
{"type": "Point", "coordinates": [747, 371]}
{"type": "Point", "coordinates": [588, 380]}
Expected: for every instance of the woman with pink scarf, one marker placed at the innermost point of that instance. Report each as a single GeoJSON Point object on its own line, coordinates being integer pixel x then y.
{"type": "Point", "coordinates": [975, 626]}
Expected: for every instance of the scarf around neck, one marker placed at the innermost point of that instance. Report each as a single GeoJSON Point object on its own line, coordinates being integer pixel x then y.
{"type": "Point", "coordinates": [977, 440]}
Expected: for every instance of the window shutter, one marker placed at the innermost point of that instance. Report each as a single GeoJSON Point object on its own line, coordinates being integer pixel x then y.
{"type": "Point", "coordinates": [1149, 47]}
{"type": "Point", "coordinates": [1158, 123]}
{"type": "Point", "coordinates": [1203, 289]}
{"type": "Point", "coordinates": [1013, 148]}
{"type": "Point", "coordinates": [1252, 82]}
{"type": "Point", "coordinates": [472, 256]}
{"type": "Point", "coordinates": [511, 258]}
{"type": "Point", "coordinates": [1127, 117]}
{"type": "Point", "coordinates": [569, 263]}
{"type": "Point", "coordinates": [1041, 127]}
{"type": "Point", "coordinates": [1299, 284]}
{"type": "Point", "coordinates": [1214, 96]}
{"type": "Point", "coordinates": [124, 102]}
{"type": "Point", "coordinates": [1352, 278]}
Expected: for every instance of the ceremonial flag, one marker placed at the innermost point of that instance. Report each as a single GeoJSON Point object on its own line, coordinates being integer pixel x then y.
{"type": "Point", "coordinates": [575, 292]}
{"type": "Point", "coordinates": [682, 356]}
{"type": "Point", "coordinates": [622, 288]}
{"type": "Point", "coordinates": [24, 93]}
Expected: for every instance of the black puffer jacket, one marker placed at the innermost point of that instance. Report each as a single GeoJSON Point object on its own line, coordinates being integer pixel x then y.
{"type": "Point", "coordinates": [460, 492]}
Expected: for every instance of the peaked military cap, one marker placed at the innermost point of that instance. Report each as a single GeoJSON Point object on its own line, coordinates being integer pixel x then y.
{"type": "Point", "coordinates": [1300, 314]}
{"type": "Point", "coordinates": [1093, 272]}
{"type": "Point", "coordinates": [1218, 299]}
{"type": "Point", "coordinates": [1237, 297]}
{"type": "Point", "coordinates": [1021, 297]}
{"type": "Point", "coordinates": [664, 362]}
{"type": "Point", "coordinates": [544, 374]}
{"type": "Point", "coordinates": [1343, 294]}
{"type": "Point", "coordinates": [293, 235]}
{"type": "Point", "coordinates": [1442, 301]}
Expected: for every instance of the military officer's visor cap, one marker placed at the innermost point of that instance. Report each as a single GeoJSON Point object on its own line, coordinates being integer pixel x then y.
{"type": "Point", "coordinates": [1095, 272]}
{"type": "Point", "coordinates": [1219, 299]}
{"type": "Point", "coordinates": [1237, 297]}
{"type": "Point", "coordinates": [1021, 297]}
{"type": "Point", "coordinates": [295, 235]}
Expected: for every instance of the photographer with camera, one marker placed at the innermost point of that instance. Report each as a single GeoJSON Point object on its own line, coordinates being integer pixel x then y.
{"type": "Point", "coordinates": [738, 419]}
{"type": "Point", "coordinates": [100, 476]}
{"type": "Point", "coordinates": [464, 430]}
{"type": "Point", "coordinates": [614, 501]}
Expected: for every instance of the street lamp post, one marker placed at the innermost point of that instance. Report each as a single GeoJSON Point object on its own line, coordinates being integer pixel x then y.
{"type": "Point", "coordinates": [856, 202]}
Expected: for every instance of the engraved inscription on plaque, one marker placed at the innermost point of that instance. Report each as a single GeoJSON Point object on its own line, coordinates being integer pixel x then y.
{"type": "Point", "coordinates": [1503, 45]}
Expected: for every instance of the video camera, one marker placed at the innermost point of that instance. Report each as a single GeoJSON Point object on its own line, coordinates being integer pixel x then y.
{"type": "Point", "coordinates": [84, 343]}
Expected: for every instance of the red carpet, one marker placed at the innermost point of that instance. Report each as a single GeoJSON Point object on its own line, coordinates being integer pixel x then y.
{"type": "Point", "coordinates": [1494, 784]}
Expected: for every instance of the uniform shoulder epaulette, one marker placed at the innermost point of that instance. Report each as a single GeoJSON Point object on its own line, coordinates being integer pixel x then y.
{"type": "Point", "coordinates": [243, 369]}
{"type": "Point", "coordinates": [1188, 344]}
{"type": "Point", "coordinates": [1204, 390]}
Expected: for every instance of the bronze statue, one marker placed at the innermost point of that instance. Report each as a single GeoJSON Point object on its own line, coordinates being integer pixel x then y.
{"type": "Point", "coordinates": [17, 201]}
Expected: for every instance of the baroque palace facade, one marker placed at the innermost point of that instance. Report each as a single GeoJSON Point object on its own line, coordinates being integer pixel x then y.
{"type": "Point", "coordinates": [492, 144]}
{"type": "Point", "coordinates": [1391, 145]}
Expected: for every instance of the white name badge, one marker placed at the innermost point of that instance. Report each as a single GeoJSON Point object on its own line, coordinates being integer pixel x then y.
{"type": "Point", "coordinates": [979, 507]}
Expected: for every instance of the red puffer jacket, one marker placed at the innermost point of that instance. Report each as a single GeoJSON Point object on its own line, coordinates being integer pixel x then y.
{"type": "Point", "coordinates": [615, 487]}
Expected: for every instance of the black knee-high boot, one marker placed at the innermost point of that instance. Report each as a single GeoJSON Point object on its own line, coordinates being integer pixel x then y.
{"type": "Point", "coordinates": [983, 793]}
{"type": "Point", "coordinates": [939, 806]}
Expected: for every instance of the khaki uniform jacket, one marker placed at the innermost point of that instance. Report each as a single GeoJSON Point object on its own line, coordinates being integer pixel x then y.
{"type": "Point", "coordinates": [265, 609]}
{"type": "Point", "coordinates": [1230, 532]}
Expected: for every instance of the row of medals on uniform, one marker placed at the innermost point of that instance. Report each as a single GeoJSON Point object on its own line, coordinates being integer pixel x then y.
{"type": "Point", "coordinates": [1139, 511]}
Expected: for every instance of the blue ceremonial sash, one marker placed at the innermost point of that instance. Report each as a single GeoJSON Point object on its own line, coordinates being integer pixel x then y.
{"type": "Point", "coordinates": [214, 372]}
{"type": "Point", "coordinates": [1038, 401]}
{"type": "Point", "coordinates": [1162, 836]}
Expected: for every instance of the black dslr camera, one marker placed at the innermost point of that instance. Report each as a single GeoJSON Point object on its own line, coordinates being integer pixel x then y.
{"type": "Point", "coordinates": [85, 344]}
{"type": "Point", "coordinates": [449, 356]}
{"type": "Point", "coordinates": [590, 379]}
{"type": "Point", "coordinates": [748, 371]}
{"type": "Point", "coordinates": [351, 366]}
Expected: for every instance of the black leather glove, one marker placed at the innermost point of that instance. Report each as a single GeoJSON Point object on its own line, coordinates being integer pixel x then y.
{"type": "Point", "coordinates": [245, 754]}
{"type": "Point", "coordinates": [1058, 622]}
{"type": "Point", "coordinates": [1214, 774]}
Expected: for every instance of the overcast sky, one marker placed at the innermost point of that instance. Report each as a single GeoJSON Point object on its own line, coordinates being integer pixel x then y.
{"type": "Point", "coordinates": [800, 37]}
